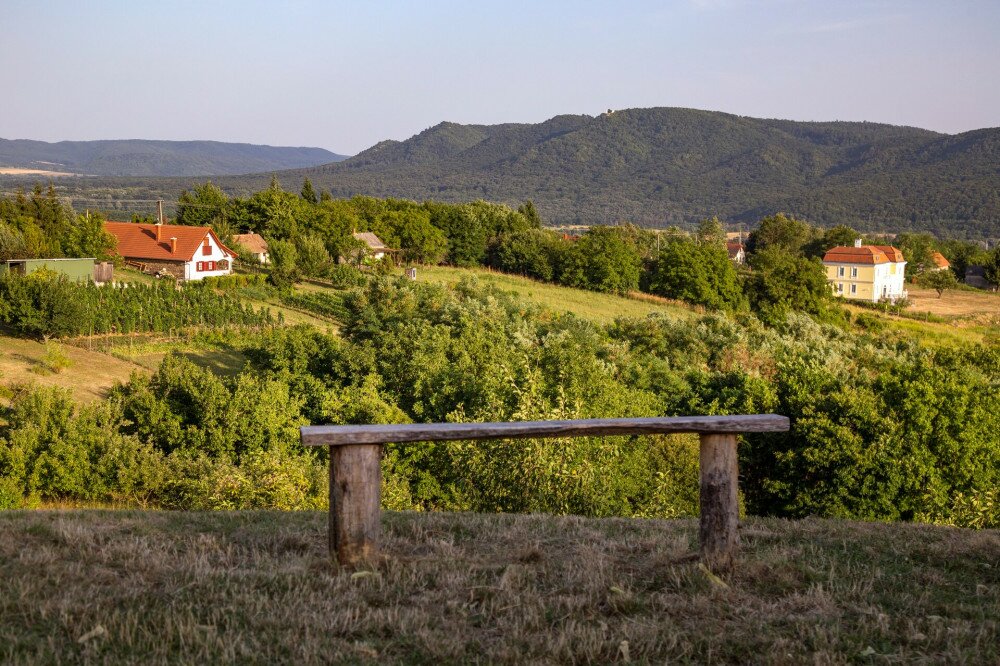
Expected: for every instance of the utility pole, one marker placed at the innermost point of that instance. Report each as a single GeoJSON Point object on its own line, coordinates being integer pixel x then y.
{"type": "Point", "coordinates": [159, 210]}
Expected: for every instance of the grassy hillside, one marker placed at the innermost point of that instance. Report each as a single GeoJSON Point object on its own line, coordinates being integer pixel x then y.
{"type": "Point", "coordinates": [597, 307]}
{"type": "Point", "coordinates": [89, 375]}
{"type": "Point", "coordinates": [157, 158]}
{"type": "Point", "coordinates": [257, 587]}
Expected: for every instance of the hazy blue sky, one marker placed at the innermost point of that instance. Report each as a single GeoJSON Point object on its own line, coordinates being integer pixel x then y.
{"type": "Point", "coordinates": [344, 75]}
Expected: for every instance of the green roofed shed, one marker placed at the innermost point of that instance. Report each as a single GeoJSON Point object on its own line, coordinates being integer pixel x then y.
{"type": "Point", "coordinates": [79, 270]}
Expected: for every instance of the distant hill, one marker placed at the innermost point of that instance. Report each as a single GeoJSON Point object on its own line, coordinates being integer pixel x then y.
{"type": "Point", "coordinates": [135, 157]}
{"type": "Point", "coordinates": [675, 166]}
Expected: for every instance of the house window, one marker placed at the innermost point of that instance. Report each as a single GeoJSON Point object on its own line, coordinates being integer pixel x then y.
{"type": "Point", "coordinates": [854, 288]}
{"type": "Point", "coordinates": [206, 248]}
{"type": "Point", "coordinates": [840, 271]}
{"type": "Point", "coordinates": [854, 272]}
{"type": "Point", "coordinates": [199, 266]}
{"type": "Point", "coordinates": [211, 265]}
{"type": "Point", "coordinates": [840, 287]}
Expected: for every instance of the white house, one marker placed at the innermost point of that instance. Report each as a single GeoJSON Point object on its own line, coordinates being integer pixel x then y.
{"type": "Point", "coordinates": [187, 253]}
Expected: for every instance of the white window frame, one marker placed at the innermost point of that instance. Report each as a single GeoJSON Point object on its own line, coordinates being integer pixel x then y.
{"type": "Point", "coordinates": [854, 289]}
{"type": "Point", "coordinates": [854, 271]}
{"type": "Point", "coordinates": [840, 271]}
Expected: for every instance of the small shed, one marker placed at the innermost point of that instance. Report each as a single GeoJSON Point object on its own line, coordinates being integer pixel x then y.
{"type": "Point", "coordinates": [79, 270]}
{"type": "Point", "coordinates": [255, 244]}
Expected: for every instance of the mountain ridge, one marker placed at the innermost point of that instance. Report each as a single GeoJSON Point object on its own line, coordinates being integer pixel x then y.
{"type": "Point", "coordinates": [151, 157]}
{"type": "Point", "coordinates": [671, 165]}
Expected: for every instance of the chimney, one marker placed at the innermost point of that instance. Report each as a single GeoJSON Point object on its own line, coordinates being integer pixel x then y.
{"type": "Point", "coordinates": [159, 231]}
{"type": "Point", "coordinates": [857, 242]}
{"type": "Point", "coordinates": [173, 244]}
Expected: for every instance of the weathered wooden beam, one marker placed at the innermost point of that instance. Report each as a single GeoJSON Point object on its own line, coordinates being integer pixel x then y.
{"type": "Point", "coordinates": [355, 472]}
{"type": "Point", "coordinates": [355, 498]}
{"type": "Point", "coordinates": [342, 435]}
{"type": "Point", "coordinates": [718, 530]}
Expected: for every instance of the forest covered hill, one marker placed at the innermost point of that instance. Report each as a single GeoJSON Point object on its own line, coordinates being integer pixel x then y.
{"type": "Point", "coordinates": [675, 166]}
{"type": "Point", "coordinates": [653, 167]}
{"type": "Point", "coordinates": [135, 157]}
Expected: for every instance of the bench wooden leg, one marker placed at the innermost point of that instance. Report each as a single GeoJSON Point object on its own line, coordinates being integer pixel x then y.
{"type": "Point", "coordinates": [718, 531]}
{"type": "Point", "coordinates": [355, 497]}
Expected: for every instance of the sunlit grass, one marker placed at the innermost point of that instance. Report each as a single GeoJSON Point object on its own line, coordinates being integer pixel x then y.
{"type": "Point", "coordinates": [257, 587]}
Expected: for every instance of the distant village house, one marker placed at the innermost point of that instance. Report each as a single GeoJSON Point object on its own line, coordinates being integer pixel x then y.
{"type": "Point", "coordinates": [255, 245]}
{"type": "Point", "coordinates": [372, 248]}
{"type": "Point", "coordinates": [866, 272]}
{"type": "Point", "coordinates": [186, 253]}
{"type": "Point", "coordinates": [940, 263]}
{"type": "Point", "coordinates": [737, 252]}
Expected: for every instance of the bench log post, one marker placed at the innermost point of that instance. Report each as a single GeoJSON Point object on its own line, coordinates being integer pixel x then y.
{"type": "Point", "coordinates": [356, 479]}
{"type": "Point", "coordinates": [718, 529]}
{"type": "Point", "coordinates": [355, 502]}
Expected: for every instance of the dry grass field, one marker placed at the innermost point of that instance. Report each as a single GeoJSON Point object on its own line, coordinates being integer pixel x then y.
{"type": "Point", "coordinates": [18, 171]}
{"type": "Point", "coordinates": [954, 303]}
{"type": "Point", "coordinates": [89, 375]}
{"type": "Point", "coordinates": [106, 587]}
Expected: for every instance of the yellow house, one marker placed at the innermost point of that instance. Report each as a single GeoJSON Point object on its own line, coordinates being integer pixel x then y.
{"type": "Point", "coordinates": [866, 272]}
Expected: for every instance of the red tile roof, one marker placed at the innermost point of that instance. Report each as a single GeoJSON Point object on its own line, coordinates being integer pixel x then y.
{"type": "Point", "coordinates": [734, 247]}
{"type": "Point", "coordinates": [940, 261]}
{"type": "Point", "coordinates": [137, 240]}
{"type": "Point", "coordinates": [866, 254]}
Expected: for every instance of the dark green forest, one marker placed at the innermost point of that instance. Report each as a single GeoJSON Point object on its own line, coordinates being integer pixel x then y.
{"type": "Point", "coordinates": [666, 166]}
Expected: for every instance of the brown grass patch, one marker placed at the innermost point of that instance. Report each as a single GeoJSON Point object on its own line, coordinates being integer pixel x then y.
{"type": "Point", "coordinates": [89, 375]}
{"type": "Point", "coordinates": [256, 587]}
{"type": "Point", "coordinates": [954, 303]}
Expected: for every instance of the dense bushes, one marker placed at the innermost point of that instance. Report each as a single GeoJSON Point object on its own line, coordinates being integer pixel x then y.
{"type": "Point", "coordinates": [46, 305]}
{"type": "Point", "coordinates": [880, 430]}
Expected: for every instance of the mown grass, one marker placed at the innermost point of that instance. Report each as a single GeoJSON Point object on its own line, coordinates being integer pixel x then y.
{"type": "Point", "coordinates": [257, 587]}
{"type": "Point", "coordinates": [594, 306]}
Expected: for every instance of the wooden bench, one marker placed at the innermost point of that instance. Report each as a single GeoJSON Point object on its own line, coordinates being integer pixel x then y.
{"type": "Point", "coordinates": [356, 480]}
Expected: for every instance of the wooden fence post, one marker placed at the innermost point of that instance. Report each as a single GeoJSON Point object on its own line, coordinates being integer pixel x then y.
{"type": "Point", "coordinates": [355, 496]}
{"type": "Point", "coordinates": [718, 531]}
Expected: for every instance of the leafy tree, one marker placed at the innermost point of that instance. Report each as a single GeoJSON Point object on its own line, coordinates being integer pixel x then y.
{"type": "Point", "coordinates": [699, 273]}
{"type": "Point", "coordinates": [87, 238]}
{"type": "Point", "coordinates": [312, 258]}
{"type": "Point", "coordinates": [421, 241]}
{"type": "Point", "coordinates": [838, 236]}
{"type": "Point", "coordinates": [992, 266]}
{"type": "Point", "coordinates": [780, 232]}
{"type": "Point", "coordinates": [308, 193]}
{"type": "Point", "coordinates": [284, 262]}
{"type": "Point", "coordinates": [533, 252]}
{"type": "Point", "coordinates": [711, 232]}
{"type": "Point", "coordinates": [12, 245]}
{"type": "Point", "coordinates": [782, 282]}
{"type": "Point", "coordinates": [938, 280]}
{"type": "Point", "coordinates": [918, 250]}
{"type": "Point", "coordinates": [530, 214]}
{"type": "Point", "coordinates": [205, 206]}
{"type": "Point", "coordinates": [603, 259]}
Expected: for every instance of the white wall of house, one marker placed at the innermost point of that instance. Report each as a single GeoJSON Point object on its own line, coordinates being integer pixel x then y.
{"type": "Point", "coordinates": [204, 265]}
{"type": "Point", "coordinates": [889, 280]}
